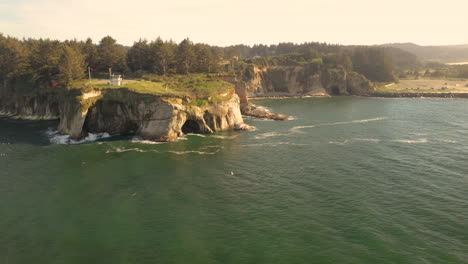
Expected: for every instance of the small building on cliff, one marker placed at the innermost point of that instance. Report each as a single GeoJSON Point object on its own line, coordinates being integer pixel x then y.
{"type": "Point", "coordinates": [115, 80]}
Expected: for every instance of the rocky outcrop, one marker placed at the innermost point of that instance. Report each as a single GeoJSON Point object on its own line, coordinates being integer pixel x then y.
{"type": "Point", "coordinates": [278, 81]}
{"type": "Point", "coordinates": [250, 109]}
{"type": "Point", "coordinates": [151, 117]}
{"type": "Point", "coordinates": [294, 81]}
{"type": "Point", "coordinates": [38, 106]}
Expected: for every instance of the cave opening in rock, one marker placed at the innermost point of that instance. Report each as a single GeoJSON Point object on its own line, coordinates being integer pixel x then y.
{"type": "Point", "coordinates": [191, 126]}
{"type": "Point", "coordinates": [335, 90]}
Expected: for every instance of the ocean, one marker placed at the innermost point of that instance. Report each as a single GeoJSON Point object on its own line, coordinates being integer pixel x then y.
{"type": "Point", "coordinates": [348, 180]}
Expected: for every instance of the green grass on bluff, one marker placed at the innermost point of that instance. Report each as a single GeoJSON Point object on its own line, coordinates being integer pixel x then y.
{"type": "Point", "coordinates": [195, 86]}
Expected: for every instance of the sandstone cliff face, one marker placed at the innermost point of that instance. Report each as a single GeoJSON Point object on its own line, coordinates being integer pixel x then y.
{"type": "Point", "coordinates": [149, 116]}
{"type": "Point", "coordinates": [300, 81]}
{"type": "Point", "coordinates": [41, 106]}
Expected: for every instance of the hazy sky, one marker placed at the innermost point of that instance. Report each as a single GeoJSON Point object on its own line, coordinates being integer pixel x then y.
{"type": "Point", "coordinates": [225, 22]}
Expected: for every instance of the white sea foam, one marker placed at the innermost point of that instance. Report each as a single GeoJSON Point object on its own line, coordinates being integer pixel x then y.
{"type": "Point", "coordinates": [273, 144]}
{"type": "Point", "coordinates": [411, 141]}
{"type": "Point", "coordinates": [367, 139]}
{"type": "Point", "coordinates": [298, 128]}
{"type": "Point", "coordinates": [121, 150]}
{"type": "Point", "coordinates": [268, 135]}
{"type": "Point", "coordinates": [418, 134]}
{"type": "Point", "coordinates": [448, 141]}
{"type": "Point", "coordinates": [339, 143]}
{"type": "Point", "coordinates": [139, 140]}
{"type": "Point", "coordinates": [59, 139]}
{"type": "Point", "coordinates": [2, 154]}
{"type": "Point", "coordinates": [225, 137]}
{"type": "Point", "coordinates": [193, 152]}
{"type": "Point", "coordinates": [208, 147]}
{"type": "Point", "coordinates": [196, 135]}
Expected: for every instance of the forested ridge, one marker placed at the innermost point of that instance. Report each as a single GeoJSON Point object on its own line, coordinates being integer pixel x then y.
{"type": "Point", "coordinates": [52, 64]}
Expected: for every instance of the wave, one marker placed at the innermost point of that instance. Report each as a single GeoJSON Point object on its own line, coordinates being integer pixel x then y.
{"type": "Point", "coordinates": [367, 139]}
{"type": "Point", "coordinates": [418, 134]}
{"type": "Point", "coordinates": [196, 135]}
{"type": "Point", "coordinates": [268, 135]}
{"type": "Point", "coordinates": [448, 141]}
{"type": "Point", "coordinates": [2, 154]}
{"type": "Point", "coordinates": [298, 128]}
{"type": "Point", "coordinates": [373, 140]}
{"type": "Point", "coordinates": [139, 140]}
{"type": "Point", "coordinates": [339, 143]}
{"type": "Point", "coordinates": [208, 147]}
{"type": "Point", "coordinates": [409, 141]}
{"type": "Point", "coordinates": [56, 138]}
{"type": "Point", "coordinates": [121, 150]}
{"type": "Point", "coordinates": [273, 144]}
{"type": "Point", "coordinates": [193, 151]}
{"type": "Point", "coordinates": [225, 137]}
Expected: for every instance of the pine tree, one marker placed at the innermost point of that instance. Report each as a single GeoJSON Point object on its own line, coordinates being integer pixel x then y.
{"type": "Point", "coordinates": [161, 56]}
{"type": "Point", "coordinates": [111, 55]}
{"type": "Point", "coordinates": [203, 59]}
{"type": "Point", "coordinates": [13, 59]}
{"type": "Point", "coordinates": [185, 56]}
{"type": "Point", "coordinates": [72, 65]}
{"type": "Point", "coordinates": [45, 60]}
{"type": "Point", "coordinates": [91, 54]}
{"type": "Point", "coordinates": [138, 56]}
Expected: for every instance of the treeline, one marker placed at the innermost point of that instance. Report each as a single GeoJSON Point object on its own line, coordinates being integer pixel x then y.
{"type": "Point", "coordinates": [163, 57]}
{"type": "Point", "coordinates": [439, 70]}
{"type": "Point", "coordinates": [52, 63]}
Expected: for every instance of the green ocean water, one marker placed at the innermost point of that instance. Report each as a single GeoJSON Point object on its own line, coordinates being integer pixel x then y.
{"type": "Point", "coordinates": [349, 180]}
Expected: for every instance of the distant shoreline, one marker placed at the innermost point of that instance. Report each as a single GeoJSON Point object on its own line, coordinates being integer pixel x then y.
{"type": "Point", "coordinates": [420, 95]}
{"type": "Point", "coordinates": [376, 95]}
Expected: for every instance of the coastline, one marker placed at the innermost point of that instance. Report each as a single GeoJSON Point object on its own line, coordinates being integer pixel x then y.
{"type": "Point", "coordinates": [420, 95]}
{"type": "Point", "coordinates": [376, 95]}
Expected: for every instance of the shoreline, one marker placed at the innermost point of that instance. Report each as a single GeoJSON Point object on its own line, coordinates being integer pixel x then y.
{"type": "Point", "coordinates": [420, 95]}
{"type": "Point", "coordinates": [376, 95]}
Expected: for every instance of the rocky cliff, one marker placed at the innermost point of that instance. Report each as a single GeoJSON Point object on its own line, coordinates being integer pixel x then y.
{"type": "Point", "coordinates": [300, 81]}
{"type": "Point", "coordinates": [41, 106]}
{"type": "Point", "coordinates": [119, 111]}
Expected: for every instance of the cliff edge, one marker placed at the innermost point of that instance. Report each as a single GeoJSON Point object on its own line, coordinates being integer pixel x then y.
{"type": "Point", "coordinates": [120, 111]}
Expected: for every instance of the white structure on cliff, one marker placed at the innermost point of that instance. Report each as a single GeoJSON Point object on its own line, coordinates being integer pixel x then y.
{"type": "Point", "coordinates": [115, 80]}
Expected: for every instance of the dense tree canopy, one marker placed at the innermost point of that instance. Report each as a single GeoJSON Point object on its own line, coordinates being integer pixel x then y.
{"type": "Point", "coordinates": [51, 63]}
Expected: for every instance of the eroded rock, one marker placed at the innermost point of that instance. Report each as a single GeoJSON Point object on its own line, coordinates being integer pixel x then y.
{"type": "Point", "coordinates": [149, 116]}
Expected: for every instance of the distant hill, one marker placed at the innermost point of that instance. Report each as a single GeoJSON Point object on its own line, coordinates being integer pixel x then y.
{"type": "Point", "coordinates": [449, 53]}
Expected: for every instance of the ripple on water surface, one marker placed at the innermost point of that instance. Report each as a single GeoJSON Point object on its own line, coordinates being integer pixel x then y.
{"type": "Point", "coordinates": [349, 180]}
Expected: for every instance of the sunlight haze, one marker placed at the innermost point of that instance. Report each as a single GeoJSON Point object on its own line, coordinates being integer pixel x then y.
{"type": "Point", "coordinates": [226, 22]}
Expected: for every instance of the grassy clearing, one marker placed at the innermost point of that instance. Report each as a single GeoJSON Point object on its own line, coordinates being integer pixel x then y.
{"type": "Point", "coordinates": [393, 90]}
{"type": "Point", "coordinates": [424, 86]}
{"type": "Point", "coordinates": [196, 86]}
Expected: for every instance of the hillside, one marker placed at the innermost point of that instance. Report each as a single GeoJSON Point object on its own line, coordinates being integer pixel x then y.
{"type": "Point", "coordinates": [449, 53]}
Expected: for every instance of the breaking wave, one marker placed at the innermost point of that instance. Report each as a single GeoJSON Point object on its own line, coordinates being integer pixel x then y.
{"type": "Point", "coordinates": [297, 129]}
{"type": "Point", "coordinates": [56, 138]}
